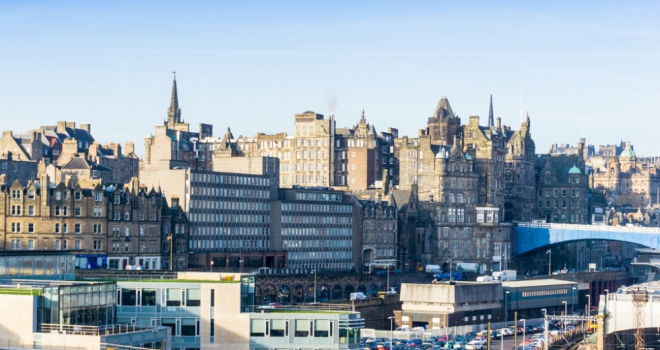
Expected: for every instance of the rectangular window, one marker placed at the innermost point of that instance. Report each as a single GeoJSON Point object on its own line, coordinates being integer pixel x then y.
{"type": "Point", "coordinates": [30, 244]}
{"type": "Point", "coordinates": [302, 328]}
{"type": "Point", "coordinates": [173, 297]}
{"type": "Point", "coordinates": [278, 328]}
{"type": "Point", "coordinates": [322, 328]}
{"type": "Point", "coordinates": [31, 228]}
{"type": "Point", "coordinates": [193, 297]}
{"type": "Point", "coordinates": [257, 328]}
{"type": "Point", "coordinates": [76, 211]}
{"type": "Point", "coordinates": [76, 228]}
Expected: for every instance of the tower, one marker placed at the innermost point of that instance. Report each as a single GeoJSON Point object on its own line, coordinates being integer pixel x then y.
{"type": "Point", "coordinates": [490, 112]}
{"type": "Point", "coordinates": [174, 120]}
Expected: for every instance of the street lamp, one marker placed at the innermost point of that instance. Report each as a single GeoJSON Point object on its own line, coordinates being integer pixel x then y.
{"type": "Point", "coordinates": [524, 330]}
{"type": "Point", "coordinates": [588, 306]}
{"type": "Point", "coordinates": [502, 341]}
{"type": "Point", "coordinates": [391, 318]}
{"type": "Point", "coordinates": [549, 252]}
{"type": "Point", "coordinates": [169, 238]}
{"type": "Point", "coordinates": [314, 271]}
{"type": "Point", "coordinates": [565, 312]}
{"type": "Point", "coordinates": [573, 301]}
{"type": "Point", "coordinates": [545, 328]}
{"type": "Point", "coordinates": [506, 308]}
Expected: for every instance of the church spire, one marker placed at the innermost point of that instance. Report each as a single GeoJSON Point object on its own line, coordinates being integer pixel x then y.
{"type": "Point", "coordinates": [363, 120]}
{"type": "Point", "coordinates": [491, 120]}
{"type": "Point", "coordinates": [174, 112]}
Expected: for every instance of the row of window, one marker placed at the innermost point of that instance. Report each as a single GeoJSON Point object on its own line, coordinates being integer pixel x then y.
{"type": "Point", "coordinates": [230, 179]}
{"type": "Point", "coordinates": [555, 204]}
{"type": "Point", "coordinates": [59, 228]}
{"type": "Point", "coordinates": [60, 244]}
{"type": "Point", "coordinates": [229, 231]}
{"type": "Point", "coordinates": [302, 328]}
{"type": "Point", "coordinates": [242, 243]}
{"type": "Point", "coordinates": [544, 293]}
{"type": "Point", "coordinates": [316, 243]}
{"type": "Point", "coordinates": [387, 238]}
{"type": "Point", "coordinates": [556, 192]}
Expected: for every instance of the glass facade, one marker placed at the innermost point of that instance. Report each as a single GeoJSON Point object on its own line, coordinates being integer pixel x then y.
{"type": "Point", "coordinates": [85, 304]}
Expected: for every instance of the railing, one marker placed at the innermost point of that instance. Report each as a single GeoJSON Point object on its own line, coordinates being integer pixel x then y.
{"type": "Point", "coordinates": [91, 330]}
{"type": "Point", "coordinates": [591, 227]}
{"type": "Point", "coordinates": [311, 307]}
{"type": "Point", "coordinates": [450, 331]}
{"type": "Point", "coordinates": [36, 344]}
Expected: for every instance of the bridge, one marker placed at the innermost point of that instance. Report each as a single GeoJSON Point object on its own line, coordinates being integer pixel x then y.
{"type": "Point", "coordinates": [529, 237]}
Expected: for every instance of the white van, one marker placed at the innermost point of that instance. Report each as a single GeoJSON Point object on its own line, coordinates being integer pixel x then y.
{"type": "Point", "coordinates": [358, 296]}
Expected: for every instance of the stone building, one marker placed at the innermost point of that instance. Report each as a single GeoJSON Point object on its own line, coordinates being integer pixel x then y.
{"type": "Point", "coordinates": [520, 179]}
{"type": "Point", "coordinates": [175, 235]}
{"type": "Point", "coordinates": [627, 181]}
{"type": "Point", "coordinates": [109, 226]}
{"type": "Point", "coordinates": [457, 173]}
{"type": "Point", "coordinates": [174, 143]}
{"type": "Point", "coordinates": [65, 216]}
{"type": "Point", "coordinates": [365, 159]}
{"type": "Point", "coordinates": [380, 236]}
{"type": "Point", "coordinates": [562, 188]}
{"type": "Point", "coordinates": [134, 226]}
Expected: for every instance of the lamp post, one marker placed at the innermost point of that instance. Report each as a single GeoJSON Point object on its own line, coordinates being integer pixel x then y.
{"type": "Point", "coordinates": [545, 329]}
{"type": "Point", "coordinates": [565, 312]}
{"type": "Point", "coordinates": [502, 341]}
{"type": "Point", "coordinates": [573, 301]}
{"type": "Point", "coordinates": [391, 328]}
{"type": "Point", "coordinates": [388, 280]}
{"type": "Point", "coordinates": [314, 271]}
{"type": "Point", "coordinates": [549, 252]}
{"type": "Point", "coordinates": [588, 306]}
{"type": "Point", "coordinates": [524, 330]}
{"type": "Point", "coordinates": [169, 238]}
{"type": "Point", "coordinates": [449, 270]}
{"type": "Point", "coordinates": [211, 265]}
{"type": "Point", "coordinates": [506, 308]}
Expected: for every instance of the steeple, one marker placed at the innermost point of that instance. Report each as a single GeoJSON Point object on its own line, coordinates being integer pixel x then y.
{"type": "Point", "coordinates": [363, 120]}
{"type": "Point", "coordinates": [491, 121]}
{"type": "Point", "coordinates": [174, 112]}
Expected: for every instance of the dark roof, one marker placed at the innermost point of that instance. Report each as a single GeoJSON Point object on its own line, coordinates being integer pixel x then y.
{"type": "Point", "coordinates": [82, 163]}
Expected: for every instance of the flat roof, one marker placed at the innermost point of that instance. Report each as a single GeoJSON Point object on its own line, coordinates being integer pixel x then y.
{"type": "Point", "coordinates": [535, 283]}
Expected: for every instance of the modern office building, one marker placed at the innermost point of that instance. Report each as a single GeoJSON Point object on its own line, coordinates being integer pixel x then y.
{"type": "Point", "coordinates": [216, 310]}
{"type": "Point", "coordinates": [59, 314]}
{"type": "Point", "coordinates": [321, 229]}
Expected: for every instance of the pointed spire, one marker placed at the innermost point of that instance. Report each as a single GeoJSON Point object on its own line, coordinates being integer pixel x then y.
{"type": "Point", "coordinates": [174, 112]}
{"type": "Point", "coordinates": [491, 121]}
{"type": "Point", "coordinates": [174, 101]}
{"type": "Point", "coordinates": [363, 120]}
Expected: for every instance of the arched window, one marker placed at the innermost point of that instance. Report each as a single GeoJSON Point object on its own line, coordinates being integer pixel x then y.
{"type": "Point", "coordinates": [451, 198]}
{"type": "Point", "coordinates": [459, 198]}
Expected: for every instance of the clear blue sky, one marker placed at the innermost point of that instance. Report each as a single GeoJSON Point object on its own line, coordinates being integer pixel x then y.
{"type": "Point", "coordinates": [251, 65]}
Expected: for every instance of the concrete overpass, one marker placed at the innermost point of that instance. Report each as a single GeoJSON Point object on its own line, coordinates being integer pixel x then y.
{"type": "Point", "coordinates": [529, 237]}
{"type": "Point", "coordinates": [621, 312]}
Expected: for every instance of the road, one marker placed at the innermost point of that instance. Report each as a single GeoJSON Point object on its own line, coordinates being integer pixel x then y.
{"type": "Point", "coordinates": [496, 344]}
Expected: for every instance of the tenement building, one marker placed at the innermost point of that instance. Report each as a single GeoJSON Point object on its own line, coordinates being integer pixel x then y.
{"type": "Point", "coordinates": [380, 236]}
{"type": "Point", "coordinates": [108, 227]}
{"type": "Point", "coordinates": [457, 172]}
{"type": "Point", "coordinates": [562, 188]}
{"type": "Point", "coordinates": [520, 179]}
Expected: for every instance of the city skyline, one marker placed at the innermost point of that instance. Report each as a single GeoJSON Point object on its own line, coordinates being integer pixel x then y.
{"type": "Point", "coordinates": [110, 66]}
